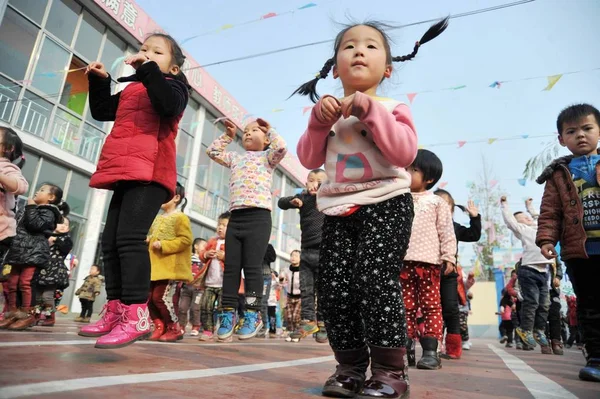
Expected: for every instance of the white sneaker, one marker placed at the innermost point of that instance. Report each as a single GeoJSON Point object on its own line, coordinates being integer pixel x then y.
{"type": "Point", "coordinates": [194, 333]}
{"type": "Point", "coordinates": [466, 346]}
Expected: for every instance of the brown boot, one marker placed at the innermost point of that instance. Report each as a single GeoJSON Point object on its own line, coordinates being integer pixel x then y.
{"type": "Point", "coordinates": [350, 373]}
{"type": "Point", "coordinates": [49, 320]}
{"type": "Point", "coordinates": [25, 322]}
{"type": "Point", "coordinates": [9, 318]}
{"type": "Point", "coordinates": [389, 367]}
{"type": "Point", "coordinates": [557, 347]}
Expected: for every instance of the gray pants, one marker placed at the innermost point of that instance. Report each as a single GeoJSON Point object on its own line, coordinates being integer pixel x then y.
{"type": "Point", "coordinates": [536, 298]}
{"type": "Point", "coordinates": [189, 301]}
{"type": "Point", "coordinates": [309, 274]}
{"type": "Point", "coordinates": [45, 295]}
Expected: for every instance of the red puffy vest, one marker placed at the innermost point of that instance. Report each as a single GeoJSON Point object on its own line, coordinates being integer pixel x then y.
{"type": "Point", "coordinates": [141, 145]}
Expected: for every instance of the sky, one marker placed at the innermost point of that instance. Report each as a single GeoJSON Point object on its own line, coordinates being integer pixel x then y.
{"type": "Point", "coordinates": [537, 39]}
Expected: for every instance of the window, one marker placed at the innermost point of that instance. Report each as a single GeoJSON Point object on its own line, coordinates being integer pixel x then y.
{"type": "Point", "coordinates": [34, 114]}
{"type": "Point", "coordinates": [203, 164]}
{"type": "Point", "coordinates": [64, 131]}
{"type": "Point", "coordinates": [8, 98]}
{"type": "Point", "coordinates": [201, 231]}
{"type": "Point", "coordinates": [184, 153]}
{"type": "Point", "coordinates": [29, 169]}
{"type": "Point", "coordinates": [75, 89]}
{"type": "Point", "coordinates": [17, 38]}
{"type": "Point", "coordinates": [53, 173]}
{"type": "Point", "coordinates": [62, 19]}
{"type": "Point", "coordinates": [52, 58]}
{"type": "Point", "coordinates": [211, 131]}
{"type": "Point", "coordinates": [34, 9]}
{"type": "Point", "coordinates": [89, 37]}
{"type": "Point", "coordinates": [78, 192]}
{"type": "Point", "coordinates": [113, 49]}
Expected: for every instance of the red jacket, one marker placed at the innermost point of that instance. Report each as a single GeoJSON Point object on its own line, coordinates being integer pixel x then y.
{"type": "Point", "coordinates": [141, 145]}
{"type": "Point", "coordinates": [572, 310]}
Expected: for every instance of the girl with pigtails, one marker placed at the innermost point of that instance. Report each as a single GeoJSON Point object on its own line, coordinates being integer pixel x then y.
{"type": "Point", "coordinates": [366, 143]}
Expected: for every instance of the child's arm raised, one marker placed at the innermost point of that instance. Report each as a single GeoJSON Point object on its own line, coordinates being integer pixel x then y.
{"type": "Point", "coordinates": [12, 180]}
{"type": "Point", "coordinates": [183, 239]}
{"type": "Point", "coordinates": [550, 220]}
{"type": "Point", "coordinates": [393, 133]}
{"type": "Point", "coordinates": [103, 105]}
{"type": "Point", "coordinates": [312, 145]}
{"type": "Point", "coordinates": [169, 97]}
{"type": "Point", "coordinates": [445, 228]}
{"type": "Point", "coordinates": [509, 219]}
{"type": "Point", "coordinates": [278, 148]}
{"type": "Point", "coordinates": [217, 152]}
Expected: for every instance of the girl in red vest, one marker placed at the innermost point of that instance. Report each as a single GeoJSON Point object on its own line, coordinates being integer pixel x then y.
{"type": "Point", "coordinates": [138, 164]}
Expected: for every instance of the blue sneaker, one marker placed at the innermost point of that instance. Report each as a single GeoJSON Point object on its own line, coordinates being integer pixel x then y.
{"type": "Point", "coordinates": [591, 372]}
{"type": "Point", "coordinates": [527, 337]}
{"type": "Point", "coordinates": [252, 324]}
{"type": "Point", "coordinates": [226, 322]}
{"type": "Point", "coordinates": [540, 338]}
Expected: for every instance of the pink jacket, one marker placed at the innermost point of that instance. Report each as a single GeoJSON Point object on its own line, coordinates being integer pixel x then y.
{"type": "Point", "coordinates": [8, 224]}
{"type": "Point", "coordinates": [365, 155]}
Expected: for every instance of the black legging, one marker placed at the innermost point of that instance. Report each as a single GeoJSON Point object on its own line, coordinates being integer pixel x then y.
{"type": "Point", "coordinates": [132, 210]}
{"type": "Point", "coordinates": [449, 297]}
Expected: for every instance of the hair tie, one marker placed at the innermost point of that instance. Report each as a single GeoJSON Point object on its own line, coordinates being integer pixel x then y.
{"type": "Point", "coordinates": [23, 157]}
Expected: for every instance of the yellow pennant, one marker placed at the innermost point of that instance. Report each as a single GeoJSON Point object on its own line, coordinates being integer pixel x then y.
{"type": "Point", "coordinates": [552, 80]}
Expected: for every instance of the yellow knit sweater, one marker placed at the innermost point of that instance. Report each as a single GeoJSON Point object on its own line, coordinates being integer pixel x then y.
{"type": "Point", "coordinates": [173, 260]}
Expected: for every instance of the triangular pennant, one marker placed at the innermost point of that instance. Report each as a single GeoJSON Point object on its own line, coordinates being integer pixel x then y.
{"type": "Point", "coordinates": [493, 183]}
{"type": "Point", "coordinates": [461, 143]}
{"type": "Point", "coordinates": [522, 182]}
{"type": "Point", "coordinates": [552, 80]}
{"type": "Point", "coordinates": [491, 141]}
{"type": "Point", "coordinates": [459, 87]}
{"type": "Point", "coordinates": [420, 146]}
{"type": "Point", "coordinates": [306, 109]}
{"type": "Point", "coordinates": [411, 97]}
{"type": "Point", "coordinates": [269, 15]}
{"type": "Point", "coordinates": [495, 85]}
{"type": "Point", "coordinates": [226, 26]}
{"type": "Point", "coordinates": [277, 110]}
{"type": "Point", "coordinates": [309, 5]}
{"type": "Point", "coordinates": [524, 136]}
{"type": "Point", "coordinates": [443, 184]}
{"type": "Point", "coordinates": [469, 184]}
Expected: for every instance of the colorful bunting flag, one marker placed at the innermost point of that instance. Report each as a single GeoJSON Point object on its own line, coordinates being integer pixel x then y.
{"type": "Point", "coordinates": [496, 85]}
{"type": "Point", "coordinates": [269, 15]}
{"type": "Point", "coordinates": [491, 141]}
{"type": "Point", "coordinates": [493, 183]}
{"type": "Point", "coordinates": [522, 182]}
{"type": "Point", "coordinates": [443, 184]}
{"type": "Point", "coordinates": [552, 80]}
{"type": "Point", "coordinates": [306, 109]}
{"type": "Point", "coordinates": [461, 143]}
{"type": "Point", "coordinates": [411, 97]}
{"type": "Point", "coordinates": [524, 136]}
{"type": "Point", "coordinates": [309, 5]}
{"type": "Point", "coordinates": [226, 26]}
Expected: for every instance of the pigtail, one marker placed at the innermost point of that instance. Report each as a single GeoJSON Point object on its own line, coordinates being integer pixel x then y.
{"type": "Point", "coordinates": [184, 204]}
{"type": "Point", "coordinates": [64, 208]}
{"type": "Point", "coordinates": [20, 161]}
{"type": "Point", "coordinates": [433, 32]}
{"type": "Point", "coordinates": [310, 88]}
{"type": "Point", "coordinates": [461, 207]}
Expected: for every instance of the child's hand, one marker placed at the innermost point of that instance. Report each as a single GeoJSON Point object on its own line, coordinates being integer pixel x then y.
{"type": "Point", "coordinates": [548, 251]}
{"type": "Point", "coordinates": [472, 209]}
{"type": "Point", "coordinates": [30, 201]}
{"type": "Point", "coordinates": [330, 110]}
{"type": "Point", "coordinates": [347, 105]}
{"type": "Point", "coordinates": [136, 60]}
{"type": "Point", "coordinates": [514, 307]}
{"type": "Point", "coordinates": [503, 199]}
{"type": "Point", "coordinates": [211, 254]}
{"type": "Point", "coordinates": [263, 125]}
{"type": "Point", "coordinates": [448, 268]}
{"type": "Point", "coordinates": [230, 128]}
{"type": "Point", "coordinates": [220, 255]}
{"type": "Point", "coordinates": [157, 245]}
{"type": "Point", "coordinates": [97, 68]}
{"type": "Point", "coordinates": [556, 282]}
{"type": "Point", "coordinates": [528, 202]}
{"type": "Point", "coordinates": [297, 202]}
{"type": "Point", "coordinates": [51, 240]}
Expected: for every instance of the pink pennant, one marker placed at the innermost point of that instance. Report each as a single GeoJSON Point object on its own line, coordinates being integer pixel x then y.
{"type": "Point", "coordinates": [461, 143]}
{"type": "Point", "coordinates": [306, 109]}
{"type": "Point", "coordinates": [269, 15]}
{"type": "Point", "coordinates": [493, 183]}
{"type": "Point", "coordinates": [276, 192]}
{"type": "Point", "coordinates": [411, 97]}
{"type": "Point", "coordinates": [443, 184]}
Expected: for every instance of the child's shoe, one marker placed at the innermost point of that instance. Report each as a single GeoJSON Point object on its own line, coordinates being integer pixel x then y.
{"type": "Point", "coordinates": [252, 324]}
{"type": "Point", "coordinates": [109, 317]}
{"type": "Point", "coordinates": [133, 325]}
{"type": "Point", "coordinates": [23, 323]}
{"type": "Point", "coordinates": [519, 345]}
{"type": "Point", "coordinates": [49, 320]}
{"type": "Point", "coordinates": [305, 328]}
{"type": "Point", "coordinates": [430, 359]}
{"type": "Point", "coordinates": [540, 338]}
{"type": "Point", "coordinates": [546, 349]}
{"type": "Point", "coordinates": [591, 371]}
{"type": "Point", "coordinates": [86, 320]}
{"type": "Point", "coordinates": [206, 336]}
{"type": "Point", "coordinates": [453, 346]}
{"type": "Point", "coordinates": [321, 336]}
{"type": "Point", "coordinates": [225, 322]}
{"type": "Point", "coordinates": [350, 373]}
{"type": "Point", "coordinates": [557, 347]}
{"type": "Point", "coordinates": [172, 334]}
{"type": "Point", "coordinates": [195, 332]}
{"type": "Point", "coordinates": [389, 378]}
{"type": "Point", "coordinates": [159, 330]}
{"type": "Point", "coordinates": [503, 339]}
{"type": "Point", "coordinates": [527, 337]}
{"type": "Point", "coordinates": [466, 345]}
{"type": "Point", "coordinates": [78, 319]}
{"type": "Point", "coordinates": [508, 345]}
{"type": "Point", "coordinates": [410, 352]}
{"type": "Point", "coordinates": [64, 309]}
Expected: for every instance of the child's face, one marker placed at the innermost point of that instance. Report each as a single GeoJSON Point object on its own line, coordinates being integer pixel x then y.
{"type": "Point", "coordinates": [94, 271]}
{"type": "Point", "coordinates": [200, 246]}
{"type": "Point", "coordinates": [158, 49]}
{"type": "Point", "coordinates": [581, 137]}
{"type": "Point", "coordinates": [63, 227]}
{"type": "Point", "coordinates": [361, 61]}
{"type": "Point", "coordinates": [295, 258]}
{"type": "Point", "coordinates": [524, 219]}
{"type": "Point", "coordinates": [417, 183]}
{"type": "Point", "coordinates": [222, 228]}
{"type": "Point", "coordinates": [44, 195]}
{"type": "Point", "coordinates": [254, 139]}
{"type": "Point", "coordinates": [314, 181]}
{"type": "Point", "coordinates": [167, 206]}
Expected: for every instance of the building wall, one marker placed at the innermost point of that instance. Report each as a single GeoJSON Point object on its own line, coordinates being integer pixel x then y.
{"type": "Point", "coordinates": [44, 44]}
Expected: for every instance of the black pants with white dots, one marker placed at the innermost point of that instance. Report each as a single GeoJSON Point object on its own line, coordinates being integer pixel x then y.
{"type": "Point", "coordinates": [359, 282]}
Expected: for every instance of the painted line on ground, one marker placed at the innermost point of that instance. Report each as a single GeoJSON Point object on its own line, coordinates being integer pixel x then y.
{"type": "Point", "coordinates": [540, 386]}
{"type": "Point", "coordinates": [92, 342]}
{"type": "Point", "coordinates": [44, 388]}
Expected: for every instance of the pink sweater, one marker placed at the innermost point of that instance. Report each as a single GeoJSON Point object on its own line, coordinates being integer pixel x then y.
{"type": "Point", "coordinates": [365, 155]}
{"type": "Point", "coordinates": [432, 238]}
{"type": "Point", "coordinates": [8, 224]}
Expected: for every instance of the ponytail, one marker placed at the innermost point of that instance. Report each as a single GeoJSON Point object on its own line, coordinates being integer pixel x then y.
{"type": "Point", "coordinates": [180, 190]}
{"type": "Point", "coordinates": [433, 32]}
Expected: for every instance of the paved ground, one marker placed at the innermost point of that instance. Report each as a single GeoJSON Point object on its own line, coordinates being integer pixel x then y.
{"type": "Point", "coordinates": [56, 363]}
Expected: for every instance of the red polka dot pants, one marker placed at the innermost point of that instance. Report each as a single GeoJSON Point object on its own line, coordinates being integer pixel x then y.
{"type": "Point", "coordinates": [421, 289]}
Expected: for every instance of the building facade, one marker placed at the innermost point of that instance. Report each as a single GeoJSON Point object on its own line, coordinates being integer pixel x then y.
{"type": "Point", "coordinates": [45, 46]}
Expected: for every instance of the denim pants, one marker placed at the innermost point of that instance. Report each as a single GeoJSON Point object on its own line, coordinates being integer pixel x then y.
{"type": "Point", "coordinates": [309, 274]}
{"type": "Point", "coordinates": [536, 298]}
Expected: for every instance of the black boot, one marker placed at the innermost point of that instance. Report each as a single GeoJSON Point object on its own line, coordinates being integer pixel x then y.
{"type": "Point", "coordinates": [350, 373]}
{"type": "Point", "coordinates": [591, 371]}
{"type": "Point", "coordinates": [430, 359]}
{"type": "Point", "coordinates": [389, 378]}
{"type": "Point", "coordinates": [410, 353]}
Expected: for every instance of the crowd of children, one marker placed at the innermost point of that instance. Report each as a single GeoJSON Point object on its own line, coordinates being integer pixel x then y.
{"type": "Point", "coordinates": [378, 247]}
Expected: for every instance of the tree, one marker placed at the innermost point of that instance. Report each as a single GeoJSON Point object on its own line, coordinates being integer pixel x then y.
{"type": "Point", "coordinates": [486, 190]}
{"type": "Point", "coordinates": [536, 164]}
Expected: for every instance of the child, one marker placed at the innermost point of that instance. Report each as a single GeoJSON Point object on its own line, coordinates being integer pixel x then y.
{"type": "Point", "coordinates": [290, 279]}
{"type": "Point", "coordinates": [569, 214]}
{"type": "Point", "coordinates": [273, 300]}
{"type": "Point", "coordinates": [54, 276]}
{"type": "Point", "coordinates": [368, 211]}
{"type": "Point", "coordinates": [137, 162]}
{"type": "Point", "coordinates": [250, 224]}
{"type": "Point", "coordinates": [213, 257]}
{"type": "Point", "coordinates": [574, 331]}
{"type": "Point", "coordinates": [465, 282]}
{"type": "Point", "coordinates": [532, 277]}
{"type": "Point", "coordinates": [12, 184]}
{"type": "Point", "coordinates": [431, 252]}
{"type": "Point", "coordinates": [88, 292]}
{"type": "Point", "coordinates": [311, 224]}
{"type": "Point", "coordinates": [452, 287]}
{"type": "Point", "coordinates": [170, 245]}
{"type": "Point", "coordinates": [30, 250]}
{"type": "Point", "coordinates": [191, 293]}
{"type": "Point", "coordinates": [506, 326]}
{"type": "Point", "coordinates": [554, 323]}
{"type": "Point", "coordinates": [270, 257]}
